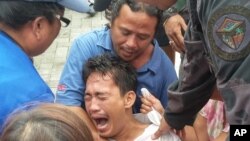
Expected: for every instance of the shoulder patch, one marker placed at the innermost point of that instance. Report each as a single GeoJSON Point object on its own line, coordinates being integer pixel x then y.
{"type": "Point", "coordinates": [229, 32]}
{"type": "Point", "coordinates": [61, 88]}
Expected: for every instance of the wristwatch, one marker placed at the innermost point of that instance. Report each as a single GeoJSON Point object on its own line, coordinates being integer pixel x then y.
{"type": "Point", "coordinates": [169, 13]}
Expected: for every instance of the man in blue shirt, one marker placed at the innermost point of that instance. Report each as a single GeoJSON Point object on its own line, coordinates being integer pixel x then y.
{"type": "Point", "coordinates": [27, 28]}
{"type": "Point", "coordinates": [130, 36]}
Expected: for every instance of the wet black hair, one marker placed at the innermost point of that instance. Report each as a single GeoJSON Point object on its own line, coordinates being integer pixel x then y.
{"type": "Point", "coordinates": [123, 73]}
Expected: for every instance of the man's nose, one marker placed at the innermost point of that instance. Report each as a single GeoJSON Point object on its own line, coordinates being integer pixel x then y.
{"type": "Point", "coordinates": [131, 41]}
{"type": "Point", "coordinates": [94, 105]}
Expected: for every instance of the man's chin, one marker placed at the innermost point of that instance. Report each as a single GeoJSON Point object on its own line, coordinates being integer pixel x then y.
{"type": "Point", "coordinates": [127, 58]}
{"type": "Point", "coordinates": [106, 135]}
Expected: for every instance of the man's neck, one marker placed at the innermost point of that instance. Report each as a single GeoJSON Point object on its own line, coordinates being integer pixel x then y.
{"type": "Point", "coordinates": [18, 36]}
{"type": "Point", "coordinates": [143, 58]}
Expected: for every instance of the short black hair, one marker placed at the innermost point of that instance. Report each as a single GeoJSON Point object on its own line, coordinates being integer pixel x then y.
{"type": "Point", "coordinates": [123, 73]}
{"type": "Point", "coordinates": [15, 14]}
{"type": "Point", "coordinates": [115, 6]}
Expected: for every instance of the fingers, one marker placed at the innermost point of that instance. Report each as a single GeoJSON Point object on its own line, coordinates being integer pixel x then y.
{"type": "Point", "coordinates": [176, 47]}
{"type": "Point", "coordinates": [173, 28]}
{"type": "Point", "coordinates": [145, 109]}
{"type": "Point", "coordinates": [180, 133]}
{"type": "Point", "coordinates": [147, 101]}
{"type": "Point", "coordinates": [178, 41]}
{"type": "Point", "coordinates": [157, 134]}
{"type": "Point", "coordinates": [163, 129]}
{"type": "Point", "coordinates": [145, 106]}
{"type": "Point", "coordinates": [183, 24]}
{"type": "Point", "coordinates": [181, 43]}
{"type": "Point", "coordinates": [177, 37]}
{"type": "Point", "coordinates": [150, 101]}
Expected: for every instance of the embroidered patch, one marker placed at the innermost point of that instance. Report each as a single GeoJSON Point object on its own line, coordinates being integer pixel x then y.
{"type": "Point", "coordinates": [229, 32]}
{"type": "Point", "coordinates": [61, 88]}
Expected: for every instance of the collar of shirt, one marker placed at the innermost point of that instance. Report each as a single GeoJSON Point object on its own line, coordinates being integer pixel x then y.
{"type": "Point", "coordinates": [154, 63]}
{"type": "Point", "coordinates": [105, 40]}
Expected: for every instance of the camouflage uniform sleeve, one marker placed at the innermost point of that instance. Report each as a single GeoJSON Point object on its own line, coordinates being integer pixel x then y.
{"type": "Point", "coordinates": [194, 87]}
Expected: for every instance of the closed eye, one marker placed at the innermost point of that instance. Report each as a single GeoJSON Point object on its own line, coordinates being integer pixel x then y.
{"type": "Point", "coordinates": [125, 32]}
{"type": "Point", "coordinates": [87, 97]}
{"type": "Point", "coordinates": [102, 96]}
{"type": "Point", "coordinates": [143, 37]}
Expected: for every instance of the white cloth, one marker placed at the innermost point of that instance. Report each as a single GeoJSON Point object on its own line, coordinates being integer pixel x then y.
{"type": "Point", "coordinates": [148, 132]}
{"type": "Point", "coordinates": [146, 135]}
{"type": "Point", "coordinates": [153, 115]}
{"type": "Point", "coordinates": [154, 119]}
{"type": "Point", "coordinates": [152, 128]}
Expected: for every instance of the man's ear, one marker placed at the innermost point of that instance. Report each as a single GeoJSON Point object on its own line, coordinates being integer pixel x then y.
{"type": "Point", "coordinates": [129, 99]}
{"type": "Point", "coordinates": [38, 26]}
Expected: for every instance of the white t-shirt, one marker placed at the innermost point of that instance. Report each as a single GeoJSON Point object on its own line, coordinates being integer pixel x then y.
{"type": "Point", "coordinates": [148, 132]}
{"type": "Point", "coordinates": [151, 129]}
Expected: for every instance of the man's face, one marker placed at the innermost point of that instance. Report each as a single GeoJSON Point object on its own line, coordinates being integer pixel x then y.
{"type": "Point", "coordinates": [104, 104]}
{"type": "Point", "coordinates": [47, 33]}
{"type": "Point", "coordinates": [53, 30]}
{"type": "Point", "coordinates": [132, 33]}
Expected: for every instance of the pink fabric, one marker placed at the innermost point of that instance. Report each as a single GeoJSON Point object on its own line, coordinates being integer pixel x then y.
{"type": "Point", "coordinates": [213, 111]}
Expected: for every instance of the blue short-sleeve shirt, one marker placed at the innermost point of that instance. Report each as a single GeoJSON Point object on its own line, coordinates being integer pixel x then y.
{"type": "Point", "coordinates": [156, 75]}
{"type": "Point", "coordinates": [20, 83]}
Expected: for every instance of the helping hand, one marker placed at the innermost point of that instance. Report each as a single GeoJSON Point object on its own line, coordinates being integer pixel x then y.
{"type": "Point", "coordinates": [173, 28]}
{"type": "Point", "coordinates": [163, 129]}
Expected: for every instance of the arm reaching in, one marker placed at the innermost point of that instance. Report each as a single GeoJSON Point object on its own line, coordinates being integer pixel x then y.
{"type": "Point", "coordinates": [163, 129]}
{"type": "Point", "coordinates": [149, 101]}
{"type": "Point", "coordinates": [174, 26]}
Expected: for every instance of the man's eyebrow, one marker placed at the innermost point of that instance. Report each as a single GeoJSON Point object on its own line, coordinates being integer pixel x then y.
{"type": "Point", "coordinates": [140, 34]}
{"type": "Point", "coordinates": [102, 93]}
